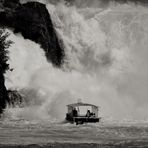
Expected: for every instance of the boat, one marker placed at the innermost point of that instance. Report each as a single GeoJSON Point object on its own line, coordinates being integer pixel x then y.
{"type": "Point", "coordinates": [74, 114]}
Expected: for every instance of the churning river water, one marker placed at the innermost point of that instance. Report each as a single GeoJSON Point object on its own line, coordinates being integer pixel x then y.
{"type": "Point", "coordinates": [21, 133]}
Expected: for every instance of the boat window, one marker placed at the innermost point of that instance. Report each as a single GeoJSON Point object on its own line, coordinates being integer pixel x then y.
{"type": "Point", "coordinates": [82, 110]}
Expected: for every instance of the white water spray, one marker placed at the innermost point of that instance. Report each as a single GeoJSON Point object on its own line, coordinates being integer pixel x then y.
{"type": "Point", "coordinates": [102, 62]}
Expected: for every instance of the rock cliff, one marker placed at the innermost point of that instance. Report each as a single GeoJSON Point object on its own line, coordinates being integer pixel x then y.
{"type": "Point", "coordinates": [33, 21]}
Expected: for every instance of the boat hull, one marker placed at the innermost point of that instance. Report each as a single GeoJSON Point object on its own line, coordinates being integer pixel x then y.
{"type": "Point", "coordinates": [81, 120]}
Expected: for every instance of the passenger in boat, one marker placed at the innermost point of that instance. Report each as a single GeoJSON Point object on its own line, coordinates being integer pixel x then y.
{"type": "Point", "coordinates": [75, 112]}
{"type": "Point", "coordinates": [88, 113]}
{"type": "Point", "coordinates": [93, 114]}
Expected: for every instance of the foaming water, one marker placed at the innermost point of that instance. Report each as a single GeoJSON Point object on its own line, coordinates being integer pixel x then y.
{"type": "Point", "coordinates": [105, 48]}
{"type": "Point", "coordinates": [34, 133]}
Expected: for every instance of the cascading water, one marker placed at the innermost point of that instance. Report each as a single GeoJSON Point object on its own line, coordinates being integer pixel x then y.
{"type": "Point", "coordinates": [105, 64]}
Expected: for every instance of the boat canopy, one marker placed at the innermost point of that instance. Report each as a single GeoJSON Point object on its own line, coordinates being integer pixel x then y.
{"type": "Point", "coordinates": [81, 104]}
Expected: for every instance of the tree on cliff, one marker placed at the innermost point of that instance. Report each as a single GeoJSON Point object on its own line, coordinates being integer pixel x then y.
{"type": "Point", "coordinates": [4, 45]}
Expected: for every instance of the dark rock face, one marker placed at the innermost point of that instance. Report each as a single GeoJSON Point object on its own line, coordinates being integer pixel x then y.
{"type": "Point", "coordinates": [3, 94]}
{"type": "Point", "coordinates": [11, 4]}
{"type": "Point", "coordinates": [33, 21]}
{"type": "Point", "coordinates": [15, 98]}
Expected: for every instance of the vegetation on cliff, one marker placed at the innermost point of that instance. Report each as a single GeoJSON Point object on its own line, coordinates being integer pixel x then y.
{"type": "Point", "coordinates": [4, 45]}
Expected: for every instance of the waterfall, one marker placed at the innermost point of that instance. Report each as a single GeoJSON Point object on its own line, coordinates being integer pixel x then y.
{"type": "Point", "coordinates": [105, 63]}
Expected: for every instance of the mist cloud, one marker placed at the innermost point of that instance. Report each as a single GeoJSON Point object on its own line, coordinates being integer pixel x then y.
{"type": "Point", "coordinates": [106, 62]}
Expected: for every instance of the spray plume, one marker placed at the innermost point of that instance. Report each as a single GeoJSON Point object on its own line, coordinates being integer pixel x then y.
{"type": "Point", "coordinates": [101, 64]}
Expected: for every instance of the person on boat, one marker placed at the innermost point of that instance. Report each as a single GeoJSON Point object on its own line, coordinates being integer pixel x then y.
{"type": "Point", "coordinates": [75, 112]}
{"type": "Point", "coordinates": [88, 113]}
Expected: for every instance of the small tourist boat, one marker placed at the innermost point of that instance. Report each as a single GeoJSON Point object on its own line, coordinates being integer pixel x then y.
{"type": "Point", "coordinates": [74, 114]}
